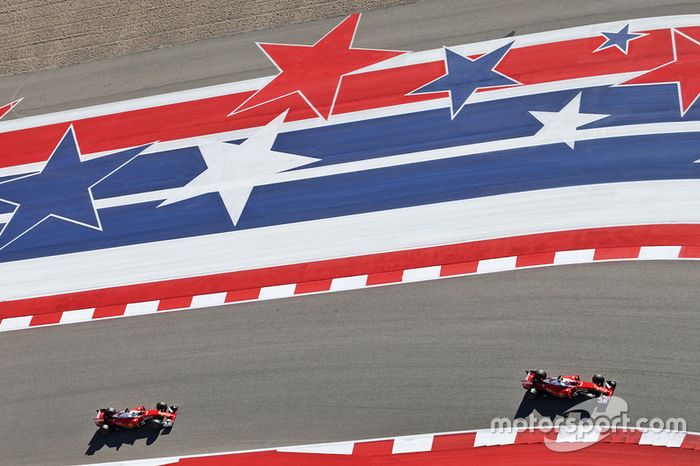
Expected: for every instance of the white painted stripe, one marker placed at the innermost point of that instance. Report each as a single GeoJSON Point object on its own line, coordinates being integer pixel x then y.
{"type": "Point", "coordinates": [348, 236]}
{"type": "Point", "coordinates": [81, 315]}
{"type": "Point", "coordinates": [663, 438]}
{"type": "Point", "coordinates": [338, 448]}
{"type": "Point", "coordinates": [488, 438]}
{"type": "Point", "coordinates": [412, 444]}
{"type": "Point", "coordinates": [146, 307]}
{"type": "Point", "coordinates": [277, 291]}
{"type": "Point", "coordinates": [207, 300]}
{"type": "Point", "coordinates": [349, 283]}
{"type": "Point", "coordinates": [496, 265]}
{"type": "Point", "coordinates": [15, 323]}
{"type": "Point", "coordinates": [659, 252]}
{"type": "Point", "coordinates": [422, 273]}
{"type": "Point", "coordinates": [580, 256]}
{"type": "Point", "coordinates": [578, 434]}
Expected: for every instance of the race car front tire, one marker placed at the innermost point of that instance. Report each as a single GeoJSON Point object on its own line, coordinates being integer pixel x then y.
{"type": "Point", "coordinates": [104, 429]}
{"type": "Point", "coordinates": [532, 393]}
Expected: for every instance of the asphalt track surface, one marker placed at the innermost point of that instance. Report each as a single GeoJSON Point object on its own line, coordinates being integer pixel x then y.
{"type": "Point", "coordinates": [405, 359]}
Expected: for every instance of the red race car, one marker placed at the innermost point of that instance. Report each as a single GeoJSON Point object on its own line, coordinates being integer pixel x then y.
{"type": "Point", "coordinates": [566, 386]}
{"type": "Point", "coordinates": [109, 419]}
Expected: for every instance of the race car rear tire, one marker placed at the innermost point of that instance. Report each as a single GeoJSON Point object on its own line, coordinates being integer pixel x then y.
{"type": "Point", "coordinates": [532, 393]}
{"type": "Point", "coordinates": [104, 429]}
{"type": "Point", "coordinates": [155, 424]}
{"type": "Point", "coordinates": [160, 406]}
{"type": "Point", "coordinates": [110, 411]}
{"type": "Point", "coordinates": [598, 379]}
{"type": "Point", "coordinates": [540, 374]}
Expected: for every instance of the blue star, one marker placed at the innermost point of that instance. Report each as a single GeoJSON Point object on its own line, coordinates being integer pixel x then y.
{"type": "Point", "coordinates": [62, 189]}
{"type": "Point", "coordinates": [464, 76]}
{"type": "Point", "coordinates": [620, 39]}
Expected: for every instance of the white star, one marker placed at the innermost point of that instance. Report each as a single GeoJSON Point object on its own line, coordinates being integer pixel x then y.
{"type": "Point", "coordinates": [234, 170]}
{"type": "Point", "coordinates": [562, 125]}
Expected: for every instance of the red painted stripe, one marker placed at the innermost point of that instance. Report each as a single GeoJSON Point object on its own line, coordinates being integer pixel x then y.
{"type": "Point", "coordinates": [384, 277]}
{"type": "Point", "coordinates": [689, 252]}
{"type": "Point", "coordinates": [182, 302]}
{"type": "Point", "coordinates": [691, 442]}
{"type": "Point", "coordinates": [242, 295]}
{"type": "Point", "coordinates": [362, 91]}
{"type": "Point", "coordinates": [535, 259]}
{"type": "Point", "coordinates": [616, 253]}
{"type": "Point", "coordinates": [109, 311]}
{"type": "Point", "coordinates": [313, 287]}
{"type": "Point", "coordinates": [456, 254]}
{"type": "Point", "coordinates": [633, 437]}
{"type": "Point", "coordinates": [453, 441]}
{"type": "Point", "coordinates": [534, 436]}
{"type": "Point", "coordinates": [45, 319]}
{"type": "Point", "coordinates": [460, 268]}
{"type": "Point", "coordinates": [380, 447]}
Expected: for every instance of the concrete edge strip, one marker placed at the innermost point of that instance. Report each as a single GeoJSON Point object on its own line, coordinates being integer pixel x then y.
{"type": "Point", "coordinates": [466, 439]}
{"type": "Point", "coordinates": [287, 290]}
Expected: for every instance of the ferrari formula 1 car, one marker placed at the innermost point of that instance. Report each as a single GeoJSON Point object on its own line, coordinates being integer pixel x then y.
{"type": "Point", "coordinates": [566, 386]}
{"type": "Point", "coordinates": [109, 419]}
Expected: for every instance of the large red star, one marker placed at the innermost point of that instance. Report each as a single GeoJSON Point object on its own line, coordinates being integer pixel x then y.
{"type": "Point", "coordinates": [683, 71]}
{"type": "Point", "coordinates": [5, 109]}
{"type": "Point", "coordinates": [315, 71]}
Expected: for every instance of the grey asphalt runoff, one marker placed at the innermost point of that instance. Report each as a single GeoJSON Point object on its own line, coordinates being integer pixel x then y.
{"type": "Point", "coordinates": [405, 359]}
{"type": "Point", "coordinates": [426, 357]}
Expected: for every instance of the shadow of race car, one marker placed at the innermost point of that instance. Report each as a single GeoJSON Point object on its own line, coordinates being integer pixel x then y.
{"type": "Point", "coordinates": [109, 419]}
{"type": "Point", "coordinates": [537, 383]}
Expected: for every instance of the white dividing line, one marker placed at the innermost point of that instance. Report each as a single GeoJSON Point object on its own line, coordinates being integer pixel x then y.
{"type": "Point", "coordinates": [488, 438]}
{"type": "Point", "coordinates": [577, 434]}
{"type": "Point", "coordinates": [338, 448]}
{"type": "Point", "coordinates": [348, 283]}
{"type": "Point", "coordinates": [496, 265]}
{"type": "Point", "coordinates": [579, 256]}
{"type": "Point", "coordinates": [659, 252]}
{"type": "Point", "coordinates": [15, 323]}
{"type": "Point", "coordinates": [422, 273]}
{"type": "Point", "coordinates": [277, 291]}
{"type": "Point", "coordinates": [662, 439]}
{"type": "Point", "coordinates": [81, 315]}
{"type": "Point", "coordinates": [146, 307]}
{"type": "Point", "coordinates": [206, 300]}
{"type": "Point", "coordinates": [412, 444]}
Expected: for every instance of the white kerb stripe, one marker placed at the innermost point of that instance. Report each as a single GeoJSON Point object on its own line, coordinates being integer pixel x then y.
{"type": "Point", "coordinates": [664, 438]}
{"type": "Point", "coordinates": [338, 448]}
{"type": "Point", "coordinates": [277, 291]}
{"type": "Point", "coordinates": [81, 315]}
{"type": "Point", "coordinates": [487, 438]}
{"type": "Point", "coordinates": [412, 444]}
{"type": "Point", "coordinates": [206, 300]}
{"type": "Point", "coordinates": [137, 309]}
{"type": "Point", "coordinates": [580, 256]}
{"type": "Point", "coordinates": [659, 252]}
{"type": "Point", "coordinates": [349, 283]}
{"type": "Point", "coordinates": [496, 265]}
{"type": "Point", "coordinates": [15, 323]}
{"type": "Point", "coordinates": [422, 273]}
{"type": "Point", "coordinates": [578, 434]}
